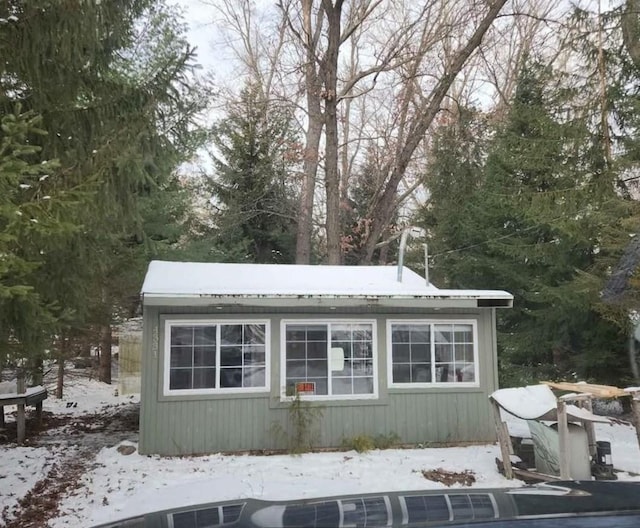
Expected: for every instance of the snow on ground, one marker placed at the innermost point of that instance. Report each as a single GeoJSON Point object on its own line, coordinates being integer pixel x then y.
{"type": "Point", "coordinates": [625, 452]}
{"type": "Point", "coordinates": [84, 395]}
{"type": "Point", "coordinates": [121, 486]}
{"type": "Point", "coordinates": [20, 469]}
{"type": "Point", "coordinates": [117, 485]}
{"type": "Point", "coordinates": [81, 395]}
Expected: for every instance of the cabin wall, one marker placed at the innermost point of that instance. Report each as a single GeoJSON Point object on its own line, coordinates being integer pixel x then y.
{"type": "Point", "coordinates": [180, 425]}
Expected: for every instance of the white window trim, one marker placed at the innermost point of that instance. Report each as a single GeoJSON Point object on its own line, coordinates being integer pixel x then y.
{"type": "Point", "coordinates": [433, 384]}
{"type": "Point", "coordinates": [169, 323]}
{"type": "Point", "coordinates": [327, 397]}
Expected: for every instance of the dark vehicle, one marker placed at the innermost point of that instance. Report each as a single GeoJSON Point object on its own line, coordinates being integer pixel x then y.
{"type": "Point", "coordinates": [586, 504]}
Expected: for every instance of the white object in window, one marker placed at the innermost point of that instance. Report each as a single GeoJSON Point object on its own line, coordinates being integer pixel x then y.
{"type": "Point", "coordinates": [339, 357]}
{"type": "Point", "coordinates": [202, 357]}
{"type": "Point", "coordinates": [427, 353]}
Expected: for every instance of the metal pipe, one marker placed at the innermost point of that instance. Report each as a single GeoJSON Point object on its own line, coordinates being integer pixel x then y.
{"type": "Point", "coordinates": [403, 246]}
{"type": "Point", "coordinates": [426, 263]}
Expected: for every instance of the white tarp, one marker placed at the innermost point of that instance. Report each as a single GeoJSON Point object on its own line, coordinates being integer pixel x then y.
{"type": "Point", "coordinates": [537, 402]}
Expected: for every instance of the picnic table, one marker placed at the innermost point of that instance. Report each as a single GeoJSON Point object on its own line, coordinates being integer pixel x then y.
{"type": "Point", "coordinates": [31, 396]}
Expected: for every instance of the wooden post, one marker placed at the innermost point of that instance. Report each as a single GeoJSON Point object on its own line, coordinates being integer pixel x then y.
{"type": "Point", "coordinates": [39, 413]}
{"type": "Point", "coordinates": [21, 417]}
{"type": "Point", "coordinates": [503, 439]}
{"type": "Point", "coordinates": [1, 417]}
{"type": "Point", "coordinates": [590, 428]}
{"type": "Point", "coordinates": [563, 433]}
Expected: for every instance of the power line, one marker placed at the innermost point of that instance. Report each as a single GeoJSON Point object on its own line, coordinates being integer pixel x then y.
{"type": "Point", "coordinates": [510, 235]}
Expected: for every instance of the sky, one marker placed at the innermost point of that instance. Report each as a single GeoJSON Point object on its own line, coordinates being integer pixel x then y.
{"type": "Point", "coordinates": [202, 34]}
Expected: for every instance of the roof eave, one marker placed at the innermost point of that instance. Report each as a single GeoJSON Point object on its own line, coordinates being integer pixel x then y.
{"type": "Point", "coordinates": [277, 301]}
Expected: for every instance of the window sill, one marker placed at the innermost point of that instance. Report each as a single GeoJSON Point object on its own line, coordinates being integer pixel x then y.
{"type": "Point", "coordinates": [437, 389]}
{"type": "Point", "coordinates": [212, 396]}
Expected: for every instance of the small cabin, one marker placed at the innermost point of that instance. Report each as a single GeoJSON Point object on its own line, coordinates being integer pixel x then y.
{"type": "Point", "coordinates": [227, 347]}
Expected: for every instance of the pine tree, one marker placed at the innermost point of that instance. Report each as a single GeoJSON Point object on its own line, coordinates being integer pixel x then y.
{"type": "Point", "coordinates": [112, 83]}
{"type": "Point", "coordinates": [253, 198]}
{"type": "Point", "coordinates": [530, 219]}
{"type": "Point", "coordinates": [35, 215]}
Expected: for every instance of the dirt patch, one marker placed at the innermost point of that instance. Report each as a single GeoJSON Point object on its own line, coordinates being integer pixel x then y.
{"type": "Point", "coordinates": [81, 438]}
{"type": "Point", "coordinates": [113, 419]}
{"type": "Point", "coordinates": [448, 478]}
{"type": "Point", "coordinates": [42, 502]}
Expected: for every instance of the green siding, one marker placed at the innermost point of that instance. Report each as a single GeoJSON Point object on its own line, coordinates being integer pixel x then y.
{"type": "Point", "coordinates": [171, 425]}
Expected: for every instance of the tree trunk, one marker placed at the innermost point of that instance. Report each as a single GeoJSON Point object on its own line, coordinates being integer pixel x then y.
{"type": "Point", "coordinates": [631, 30]}
{"type": "Point", "coordinates": [104, 374]}
{"type": "Point", "coordinates": [62, 355]}
{"type": "Point", "coordinates": [312, 136]}
{"type": "Point", "coordinates": [385, 205]}
{"type": "Point", "coordinates": [60, 379]}
{"type": "Point", "coordinates": [305, 209]}
{"type": "Point", "coordinates": [329, 72]}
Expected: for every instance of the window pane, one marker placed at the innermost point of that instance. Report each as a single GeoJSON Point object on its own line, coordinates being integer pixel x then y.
{"type": "Point", "coordinates": [296, 351]}
{"type": "Point", "coordinates": [181, 356]}
{"type": "Point", "coordinates": [445, 373]}
{"type": "Point", "coordinates": [180, 379]}
{"type": "Point", "coordinates": [204, 378]}
{"type": "Point", "coordinates": [204, 335]}
{"type": "Point", "coordinates": [254, 377]}
{"type": "Point", "coordinates": [443, 333]}
{"type": "Point", "coordinates": [254, 355]}
{"type": "Point", "coordinates": [464, 353]}
{"type": "Point", "coordinates": [363, 385]}
{"type": "Point", "coordinates": [402, 373]}
{"type": "Point", "coordinates": [362, 368]}
{"type": "Point", "coordinates": [204, 356]}
{"type": "Point", "coordinates": [420, 353]}
{"type": "Point", "coordinates": [254, 334]}
{"type": "Point", "coordinates": [231, 334]}
{"type": "Point", "coordinates": [317, 350]}
{"type": "Point", "coordinates": [444, 353]}
{"type": "Point", "coordinates": [322, 387]}
{"type": "Point", "coordinates": [296, 333]}
{"type": "Point", "coordinates": [340, 332]}
{"type": "Point", "coordinates": [420, 373]}
{"type": "Point", "coordinates": [231, 377]}
{"type": "Point", "coordinates": [465, 372]}
{"type": "Point", "coordinates": [463, 333]}
{"type": "Point", "coordinates": [317, 369]}
{"type": "Point", "coordinates": [362, 350]}
{"type": "Point", "coordinates": [342, 386]}
{"type": "Point", "coordinates": [362, 332]}
{"type": "Point", "coordinates": [400, 333]}
{"type": "Point", "coordinates": [316, 333]}
{"type": "Point", "coordinates": [401, 353]}
{"type": "Point", "coordinates": [181, 335]}
{"type": "Point", "coordinates": [230, 356]}
{"type": "Point", "coordinates": [296, 369]}
{"type": "Point", "coordinates": [420, 334]}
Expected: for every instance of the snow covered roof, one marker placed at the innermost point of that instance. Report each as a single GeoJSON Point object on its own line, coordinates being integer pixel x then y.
{"type": "Point", "coordinates": [194, 283]}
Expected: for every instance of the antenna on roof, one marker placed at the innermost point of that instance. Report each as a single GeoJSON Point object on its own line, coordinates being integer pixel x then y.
{"type": "Point", "coordinates": [414, 232]}
{"type": "Point", "coordinates": [426, 263]}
